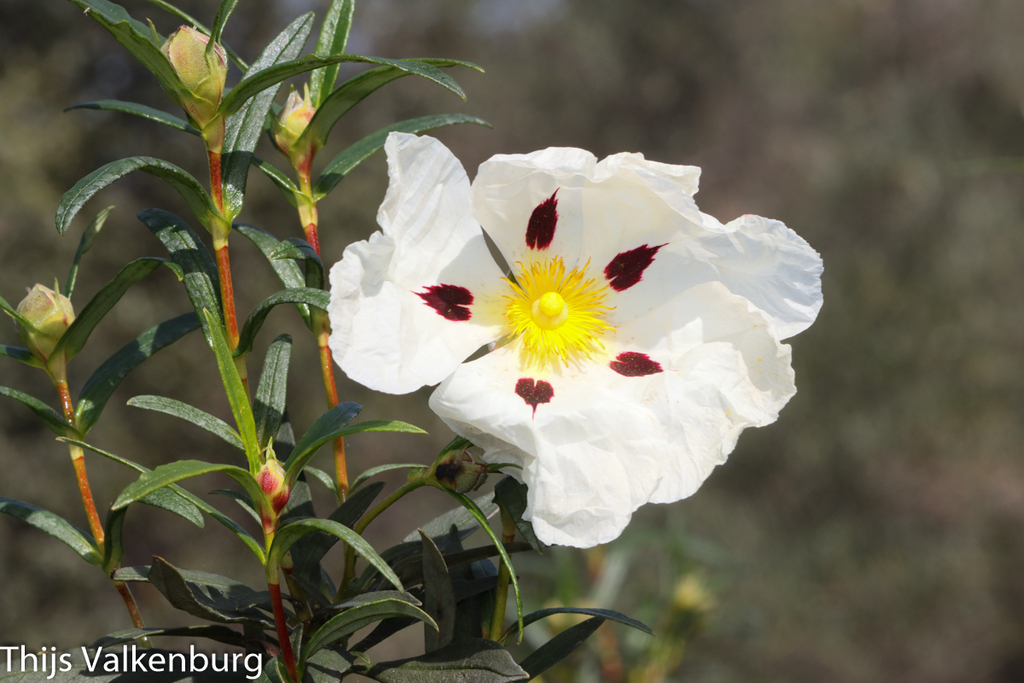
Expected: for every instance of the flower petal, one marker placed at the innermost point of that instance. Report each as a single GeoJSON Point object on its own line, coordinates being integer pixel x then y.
{"type": "Point", "coordinates": [605, 442]}
{"type": "Point", "coordinates": [415, 300]}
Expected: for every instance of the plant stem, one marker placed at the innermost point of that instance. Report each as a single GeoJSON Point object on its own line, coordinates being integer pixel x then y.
{"type": "Point", "coordinates": [360, 527]}
{"type": "Point", "coordinates": [508, 534]}
{"type": "Point", "coordinates": [282, 625]}
{"type": "Point", "coordinates": [309, 217]}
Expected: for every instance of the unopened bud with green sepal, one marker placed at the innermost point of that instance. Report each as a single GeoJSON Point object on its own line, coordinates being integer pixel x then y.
{"type": "Point", "coordinates": [276, 491]}
{"type": "Point", "coordinates": [291, 123]}
{"type": "Point", "coordinates": [201, 75]}
{"type": "Point", "coordinates": [461, 470]}
{"type": "Point", "coordinates": [45, 316]}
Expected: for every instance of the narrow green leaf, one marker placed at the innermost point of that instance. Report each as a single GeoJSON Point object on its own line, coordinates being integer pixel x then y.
{"type": "Point", "coordinates": [333, 40]}
{"type": "Point", "coordinates": [174, 472]}
{"type": "Point", "coordinates": [223, 12]}
{"type": "Point", "coordinates": [134, 36]}
{"type": "Point", "coordinates": [220, 634]}
{"type": "Point", "coordinates": [319, 432]}
{"type": "Point", "coordinates": [205, 601]}
{"type": "Point", "coordinates": [609, 614]}
{"type": "Point", "coordinates": [374, 471]}
{"type": "Point", "coordinates": [348, 513]}
{"type": "Point", "coordinates": [188, 187]}
{"type": "Point", "coordinates": [351, 620]}
{"type": "Point", "coordinates": [243, 500]}
{"type": "Point", "coordinates": [188, 251]}
{"type": "Point", "coordinates": [238, 396]}
{"type": "Point", "coordinates": [248, 87]}
{"type": "Point", "coordinates": [288, 535]}
{"type": "Point", "coordinates": [287, 270]}
{"type": "Point", "coordinates": [559, 647]}
{"type": "Point", "coordinates": [192, 21]}
{"type": "Point", "coordinates": [460, 517]}
{"type": "Point", "coordinates": [270, 394]}
{"type": "Point", "coordinates": [165, 499]}
{"type": "Point", "coordinates": [56, 526]}
{"type": "Point", "coordinates": [478, 514]}
{"type": "Point", "coordinates": [351, 157]}
{"type": "Point", "coordinates": [102, 383]}
{"type": "Point", "coordinates": [142, 110]}
{"type": "Point", "coordinates": [48, 415]}
{"type": "Point", "coordinates": [328, 665]}
{"type": "Point", "coordinates": [21, 354]}
{"type": "Point", "coordinates": [511, 496]}
{"type": "Point", "coordinates": [200, 418]}
{"type": "Point", "coordinates": [280, 180]}
{"type": "Point", "coordinates": [301, 250]}
{"type": "Point", "coordinates": [77, 334]}
{"type": "Point", "coordinates": [438, 597]}
{"type": "Point", "coordinates": [231, 524]}
{"type": "Point", "coordinates": [298, 295]}
{"type": "Point", "coordinates": [322, 477]}
{"type": "Point", "coordinates": [243, 128]}
{"type": "Point", "coordinates": [477, 660]}
{"type": "Point", "coordinates": [113, 547]}
{"type": "Point", "coordinates": [88, 236]}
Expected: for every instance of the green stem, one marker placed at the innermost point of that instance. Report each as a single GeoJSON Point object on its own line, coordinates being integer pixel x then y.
{"type": "Point", "coordinates": [508, 534]}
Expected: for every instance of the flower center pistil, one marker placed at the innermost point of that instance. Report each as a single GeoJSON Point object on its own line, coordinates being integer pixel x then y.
{"type": "Point", "coordinates": [558, 315]}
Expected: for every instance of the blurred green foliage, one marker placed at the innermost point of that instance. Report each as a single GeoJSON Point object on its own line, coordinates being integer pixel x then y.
{"type": "Point", "coordinates": [875, 533]}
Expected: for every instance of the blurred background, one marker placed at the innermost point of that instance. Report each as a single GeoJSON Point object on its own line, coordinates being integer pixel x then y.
{"type": "Point", "coordinates": [875, 533]}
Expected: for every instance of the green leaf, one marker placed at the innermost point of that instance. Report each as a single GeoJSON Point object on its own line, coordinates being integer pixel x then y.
{"type": "Point", "coordinates": [74, 338]}
{"type": "Point", "coordinates": [478, 514]}
{"type": "Point", "coordinates": [320, 432]}
{"type": "Point", "coordinates": [249, 87]}
{"type": "Point", "coordinates": [393, 426]}
{"type": "Point", "coordinates": [560, 647]}
{"type": "Point", "coordinates": [188, 187]}
{"type": "Point", "coordinates": [288, 535]}
{"type": "Point", "coordinates": [200, 418]}
{"type": "Point", "coordinates": [328, 665]}
{"type": "Point", "coordinates": [510, 495]}
{"type": "Point", "coordinates": [231, 524]}
{"type": "Point", "coordinates": [139, 110]}
{"type": "Point", "coordinates": [188, 251]}
{"type": "Point", "coordinates": [56, 526]}
{"type": "Point", "coordinates": [238, 396]}
{"type": "Point", "coordinates": [102, 383]}
{"type": "Point", "coordinates": [243, 500]}
{"type": "Point", "coordinates": [460, 517]}
{"type": "Point", "coordinates": [48, 415]}
{"type": "Point", "coordinates": [270, 394]}
{"type": "Point", "coordinates": [374, 471]}
{"type": "Point", "coordinates": [243, 129]}
{"type": "Point", "coordinates": [168, 500]}
{"type": "Point", "coordinates": [283, 182]}
{"type": "Point", "coordinates": [88, 236]}
{"type": "Point", "coordinates": [609, 614]}
{"type": "Point", "coordinates": [351, 620]}
{"type": "Point", "coordinates": [287, 270]}
{"type": "Point", "coordinates": [298, 295]}
{"type": "Point", "coordinates": [134, 36]}
{"type": "Point", "coordinates": [333, 40]}
{"type": "Point", "coordinates": [352, 92]}
{"type": "Point", "coordinates": [477, 660]}
{"type": "Point", "coordinates": [348, 513]}
{"type": "Point", "coordinates": [351, 157]}
{"type": "Point", "coordinates": [171, 473]}
{"type": "Point", "coordinates": [223, 12]}
{"type": "Point", "coordinates": [234, 604]}
{"type": "Point", "coordinates": [438, 597]}
{"type": "Point", "coordinates": [321, 477]}
{"type": "Point", "coordinates": [301, 250]}
{"type": "Point", "coordinates": [21, 354]}
{"type": "Point", "coordinates": [220, 634]}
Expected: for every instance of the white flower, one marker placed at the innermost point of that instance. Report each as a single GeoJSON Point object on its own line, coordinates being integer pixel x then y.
{"type": "Point", "coordinates": [638, 338]}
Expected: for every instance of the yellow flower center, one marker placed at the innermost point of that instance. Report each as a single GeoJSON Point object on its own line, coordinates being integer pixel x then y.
{"type": "Point", "coordinates": [558, 315]}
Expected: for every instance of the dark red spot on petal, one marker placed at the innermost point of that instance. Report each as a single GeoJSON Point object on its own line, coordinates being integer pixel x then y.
{"type": "Point", "coordinates": [534, 393]}
{"type": "Point", "coordinates": [633, 364]}
{"type": "Point", "coordinates": [627, 269]}
{"type": "Point", "coordinates": [541, 229]}
{"type": "Point", "coordinates": [449, 301]}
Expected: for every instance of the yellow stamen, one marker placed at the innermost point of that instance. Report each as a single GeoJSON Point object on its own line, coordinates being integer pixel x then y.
{"type": "Point", "coordinates": [558, 315]}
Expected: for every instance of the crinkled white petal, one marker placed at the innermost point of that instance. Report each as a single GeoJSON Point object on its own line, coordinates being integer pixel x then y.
{"type": "Point", "coordinates": [383, 334]}
{"type": "Point", "coordinates": [605, 444]}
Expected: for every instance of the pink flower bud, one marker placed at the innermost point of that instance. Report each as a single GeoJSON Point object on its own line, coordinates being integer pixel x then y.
{"type": "Point", "coordinates": [272, 481]}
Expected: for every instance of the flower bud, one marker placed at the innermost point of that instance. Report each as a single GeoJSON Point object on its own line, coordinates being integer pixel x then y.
{"type": "Point", "coordinates": [272, 481]}
{"type": "Point", "coordinates": [293, 119]}
{"type": "Point", "coordinates": [201, 75]}
{"type": "Point", "coordinates": [461, 471]}
{"type": "Point", "coordinates": [49, 315]}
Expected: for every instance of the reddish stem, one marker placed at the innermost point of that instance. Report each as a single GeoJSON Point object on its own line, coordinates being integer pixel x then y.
{"type": "Point", "coordinates": [227, 294]}
{"type": "Point", "coordinates": [78, 461]}
{"type": "Point", "coordinates": [216, 181]}
{"type": "Point", "coordinates": [129, 602]}
{"type": "Point", "coordinates": [282, 629]}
